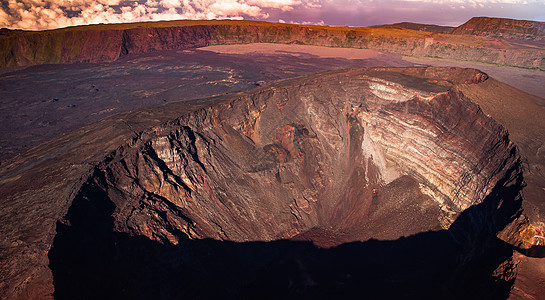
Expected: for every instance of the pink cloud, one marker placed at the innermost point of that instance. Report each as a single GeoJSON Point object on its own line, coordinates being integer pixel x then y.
{"type": "Point", "coordinates": [284, 5]}
{"type": "Point", "coordinates": [49, 14]}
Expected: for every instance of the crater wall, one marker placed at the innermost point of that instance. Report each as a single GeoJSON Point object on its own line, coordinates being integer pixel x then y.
{"type": "Point", "coordinates": [341, 156]}
{"type": "Point", "coordinates": [287, 158]}
{"type": "Point", "coordinates": [105, 43]}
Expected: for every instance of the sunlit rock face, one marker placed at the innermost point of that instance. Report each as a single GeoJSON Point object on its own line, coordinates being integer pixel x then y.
{"type": "Point", "coordinates": [503, 28]}
{"type": "Point", "coordinates": [105, 43]}
{"type": "Point", "coordinates": [316, 152]}
{"type": "Point", "coordinates": [371, 165]}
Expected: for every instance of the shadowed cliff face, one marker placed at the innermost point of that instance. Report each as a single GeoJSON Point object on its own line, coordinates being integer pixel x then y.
{"type": "Point", "coordinates": [285, 159]}
{"type": "Point", "coordinates": [339, 157]}
{"type": "Point", "coordinates": [211, 197]}
{"type": "Point", "coordinates": [92, 259]}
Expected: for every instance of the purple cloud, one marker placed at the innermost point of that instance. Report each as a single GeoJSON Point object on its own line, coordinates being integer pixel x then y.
{"type": "Point", "coordinates": [49, 14]}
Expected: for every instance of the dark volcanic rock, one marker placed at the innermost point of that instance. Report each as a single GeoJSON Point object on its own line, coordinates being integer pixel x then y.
{"type": "Point", "coordinates": [74, 95]}
{"type": "Point", "coordinates": [198, 199]}
{"type": "Point", "coordinates": [503, 28]}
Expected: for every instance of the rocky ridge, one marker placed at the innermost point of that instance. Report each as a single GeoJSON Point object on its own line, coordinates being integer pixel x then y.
{"type": "Point", "coordinates": [106, 43]}
{"type": "Point", "coordinates": [323, 151]}
{"type": "Point", "coordinates": [503, 28]}
{"type": "Point", "coordinates": [420, 27]}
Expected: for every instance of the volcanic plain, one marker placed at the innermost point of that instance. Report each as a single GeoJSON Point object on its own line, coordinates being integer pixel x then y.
{"type": "Point", "coordinates": [272, 170]}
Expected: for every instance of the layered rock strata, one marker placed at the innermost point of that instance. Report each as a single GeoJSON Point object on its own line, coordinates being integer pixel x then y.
{"type": "Point", "coordinates": [503, 28]}
{"type": "Point", "coordinates": [272, 163]}
{"type": "Point", "coordinates": [104, 43]}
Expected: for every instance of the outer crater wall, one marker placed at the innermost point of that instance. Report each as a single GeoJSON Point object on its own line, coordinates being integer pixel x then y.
{"type": "Point", "coordinates": [107, 43]}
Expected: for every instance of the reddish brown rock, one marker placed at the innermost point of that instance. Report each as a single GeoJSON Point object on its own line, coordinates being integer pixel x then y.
{"type": "Point", "coordinates": [420, 27]}
{"type": "Point", "coordinates": [104, 43]}
{"type": "Point", "coordinates": [152, 201]}
{"type": "Point", "coordinates": [503, 28]}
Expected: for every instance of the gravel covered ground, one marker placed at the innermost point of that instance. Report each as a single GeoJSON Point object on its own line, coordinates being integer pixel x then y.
{"type": "Point", "coordinates": [42, 102]}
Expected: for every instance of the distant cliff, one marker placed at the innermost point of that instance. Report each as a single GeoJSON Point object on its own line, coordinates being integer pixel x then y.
{"type": "Point", "coordinates": [503, 28]}
{"type": "Point", "coordinates": [419, 27]}
{"type": "Point", "coordinates": [104, 43]}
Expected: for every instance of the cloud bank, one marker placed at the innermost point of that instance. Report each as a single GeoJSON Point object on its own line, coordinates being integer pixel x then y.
{"type": "Point", "coordinates": [50, 14]}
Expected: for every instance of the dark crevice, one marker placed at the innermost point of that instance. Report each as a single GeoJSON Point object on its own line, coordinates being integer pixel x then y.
{"type": "Point", "coordinates": [125, 43]}
{"type": "Point", "coordinates": [537, 251]}
{"type": "Point", "coordinates": [193, 148]}
{"type": "Point", "coordinates": [175, 209]}
{"type": "Point", "coordinates": [150, 152]}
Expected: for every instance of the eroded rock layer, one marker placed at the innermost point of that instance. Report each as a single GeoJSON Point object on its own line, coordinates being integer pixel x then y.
{"type": "Point", "coordinates": [503, 28]}
{"type": "Point", "coordinates": [105, 43]}
{"type": "Point", "coordinates": [287, 158]}
{"type": "Point", "coordinates": [334, 157]}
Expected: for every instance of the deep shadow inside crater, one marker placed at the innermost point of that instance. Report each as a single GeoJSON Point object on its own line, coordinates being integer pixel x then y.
{"type": "Point", "coordinates": [90, 260]}
{"type": "Point", "coordinates": [206, 178]}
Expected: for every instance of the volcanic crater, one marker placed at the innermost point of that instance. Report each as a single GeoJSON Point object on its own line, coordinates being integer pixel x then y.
{"type": "Point", "coordinates": [383, 182]}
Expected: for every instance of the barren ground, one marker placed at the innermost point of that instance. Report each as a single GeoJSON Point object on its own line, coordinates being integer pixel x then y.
{"type": "Point", "coordinates": [42, 102]}
{"type": "Point", "coordinates": [530, 81]}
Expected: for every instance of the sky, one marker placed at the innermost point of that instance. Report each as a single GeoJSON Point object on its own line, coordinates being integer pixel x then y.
{"type": "Point", "coordinates": [50, 14]}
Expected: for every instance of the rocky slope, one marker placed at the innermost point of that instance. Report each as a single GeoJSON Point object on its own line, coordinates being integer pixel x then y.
{"type": "Point", "coordinates": [134, 207]}
{"type": "Point", "coordinates": [103, 43]}
{"type": "Point", "coordinates": [75, 95]}
{"type": "Point", "coordinates": [503, 28]}
{"type": "Point", "coordinates": [419, 27]}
